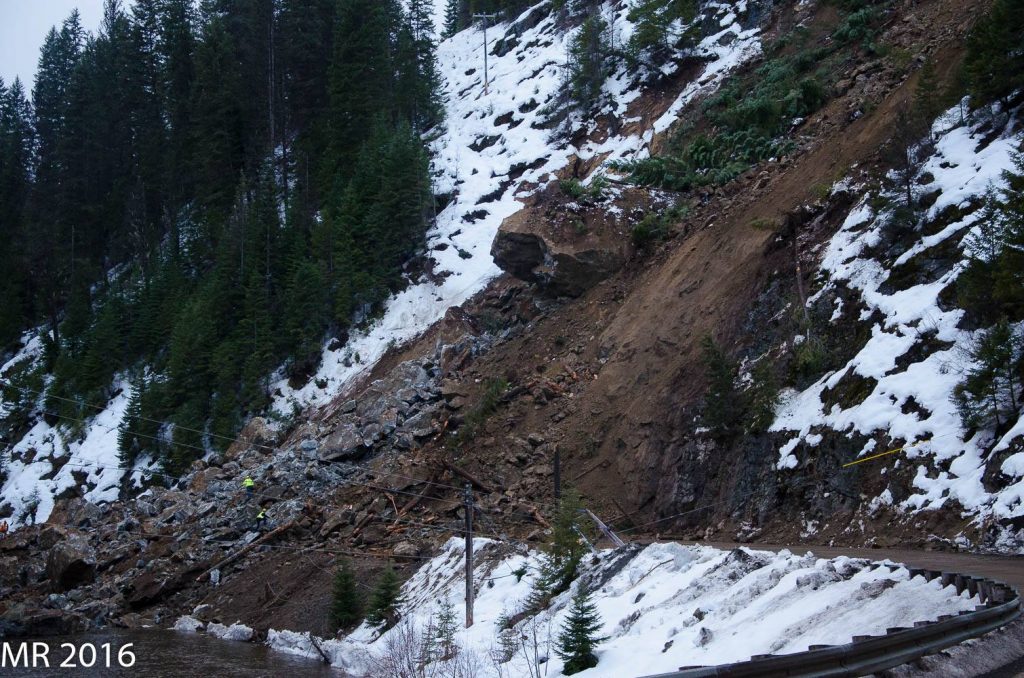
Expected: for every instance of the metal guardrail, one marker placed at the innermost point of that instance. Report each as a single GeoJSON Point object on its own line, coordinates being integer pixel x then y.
{"type": "Point", "coordinates": [870, 654]}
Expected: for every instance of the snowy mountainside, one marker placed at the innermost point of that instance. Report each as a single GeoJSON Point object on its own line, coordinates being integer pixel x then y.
{"type": "Point", "coordinates": [497, 148]}
{"type": "Point", "coordinates": [918, 350]}
{"type": "Point", "coordinates": [662, 606]}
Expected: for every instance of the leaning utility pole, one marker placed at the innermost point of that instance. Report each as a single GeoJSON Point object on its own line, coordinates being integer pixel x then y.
{"type": "Point", "coordinates": [468, 502]}
{"type": "Point", "coordinates": [485, 17]}
{"type": "Point", "coordinates": [605, 530]}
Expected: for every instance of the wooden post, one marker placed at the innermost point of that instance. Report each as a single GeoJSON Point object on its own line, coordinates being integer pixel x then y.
{"type": "Point", "coordinates": [468, 500]}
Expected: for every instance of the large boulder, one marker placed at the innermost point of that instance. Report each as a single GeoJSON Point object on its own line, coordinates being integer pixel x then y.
{"type": "Point", "coordinates": [519, 254]}
{"type": "Point", "coordinates": [558, 269]}
{"type": "Point", "coordinates": [153, 586]}
{"type": "Point", "coordinates": [562, 246]}
{"type": "Point", "coordinates": [71, 563]}
{"type": "Point", "coordinates": [345, 442]}
{"type": "Point", "coordinates": [27, 621]}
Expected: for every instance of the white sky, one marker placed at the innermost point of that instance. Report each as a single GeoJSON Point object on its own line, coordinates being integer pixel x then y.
{"type": "Point", "coordinates": [25, 23]}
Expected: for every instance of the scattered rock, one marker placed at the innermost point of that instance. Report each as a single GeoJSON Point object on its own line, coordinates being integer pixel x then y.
{"type": "Point", "coordinates": [406, 549]}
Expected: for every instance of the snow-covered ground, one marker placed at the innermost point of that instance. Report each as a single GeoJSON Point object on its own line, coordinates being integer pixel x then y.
{"type": "Point", "coordinates": [963, 171]}
{"type": "Point", "coordinates": [662, 607]}
{"type": "Point", "coordinates": [496, 148]}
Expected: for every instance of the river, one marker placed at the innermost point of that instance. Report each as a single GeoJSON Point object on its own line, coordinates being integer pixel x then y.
{"type": "Point", "coordinates": [156, 654]}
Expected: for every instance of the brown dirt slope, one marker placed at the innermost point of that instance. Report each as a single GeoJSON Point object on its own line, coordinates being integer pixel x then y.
{"type": "Point", "coordinates": [637, 334]}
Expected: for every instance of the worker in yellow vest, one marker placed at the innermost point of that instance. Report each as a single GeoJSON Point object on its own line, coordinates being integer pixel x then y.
{"type": "Point", "coordinates": [249, 486]}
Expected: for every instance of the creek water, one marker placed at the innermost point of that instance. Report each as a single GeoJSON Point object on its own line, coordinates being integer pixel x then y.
{"type": "Point", "coordinates": [156, 654]}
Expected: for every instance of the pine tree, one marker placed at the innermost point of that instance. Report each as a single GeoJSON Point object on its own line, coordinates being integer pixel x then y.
{"type": "Point", "coordinates": [451, 18]}
{"type": "Point", "coordinates": [128, 443]}
{"type": "Point", "coordinates": [49, 245]}
{"type": "Point", "coordinates": [990, 395]}
{"type": "Point", "coordinates": [386, 601]}
{"type": "Point", "coordinates": [721, 407]}
{"type": "Point", "coordinates": [360, 79]}
{"type": "Point", "coordinates": [346, 606]}
{"type": "Point", "coordinates": [217, 119]}
{"type": "Point", "coordinates": [565, 551]}
{"type": "Point", "coordinates": [177, 56]}
{"type": "Point", "coordinates": [991, 288]}
{"type": "Point", "coordinates": [651, 41]}
{"type": "Point", "coordinates": [928, 102]}
{"type": "Point", "coordinates": [994, 64]}
{"type": "Point", "coordinates": [444, 633]}
{"type": "Point", "coordinates": [419, 82]}
{"type": "Point", "coordinates": [16, 151]}
{"type": "Point", "coordinates": [587, 64]}
{"type": "Point", "coordinates": [578, 637]}
{"type": "Point", "coordinates": [1008, 289]}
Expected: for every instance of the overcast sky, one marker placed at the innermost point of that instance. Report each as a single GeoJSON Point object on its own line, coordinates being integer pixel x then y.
{"type": "Point", "coordinates": [25, 23]}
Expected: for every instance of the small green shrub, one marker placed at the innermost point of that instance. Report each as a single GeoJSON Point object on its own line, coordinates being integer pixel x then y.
{"type": "Point", "coordinates": [809, 359]}
{"type": "Point", "coordinates": [576, 190]}
{"type": "Point", "coordinates": [860, 27]}
{"type": "Point", "coordinates": [654, 227]}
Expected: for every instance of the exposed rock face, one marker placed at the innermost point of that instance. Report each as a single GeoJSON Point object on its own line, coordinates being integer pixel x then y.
{"type": "Point", "coordinates": [71, 562]}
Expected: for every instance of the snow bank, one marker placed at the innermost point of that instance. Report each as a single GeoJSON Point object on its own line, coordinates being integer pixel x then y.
{"type": "Point", "coordinates": [664, 606]}
{"type": "Point", "coordinates": [962, 173]}
{"type": "Point", "coordinates": [306, 645]}
{"type": "Point", "coordinates": [496, 148]}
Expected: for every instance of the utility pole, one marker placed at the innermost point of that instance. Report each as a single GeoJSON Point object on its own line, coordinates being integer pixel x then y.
{"type": "Point", "coordinates": [485, 17]}
{"type": "Point", "coordinates": [468, 502]}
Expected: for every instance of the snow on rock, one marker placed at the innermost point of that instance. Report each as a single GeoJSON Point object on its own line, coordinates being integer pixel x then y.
{"type": "Point", "coordinates": [236, 631]}
{"type": "Point", "coordinates": [497, 147]}
{"type": "Point", "coordinates": [662, 606]}
{"type": "Point", "coordinates": [913, 404]}
{"type": "Point", "coordinates": [187, 624]}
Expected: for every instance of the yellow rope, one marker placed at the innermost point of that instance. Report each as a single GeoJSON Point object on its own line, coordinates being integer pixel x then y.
{"type": "Point", "coordinates": [883, 454]}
